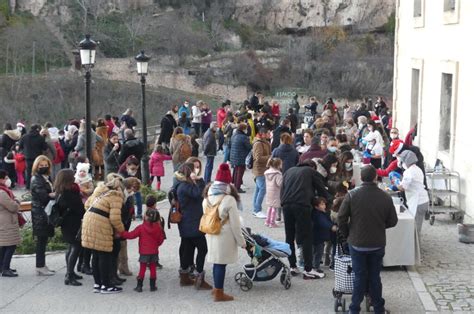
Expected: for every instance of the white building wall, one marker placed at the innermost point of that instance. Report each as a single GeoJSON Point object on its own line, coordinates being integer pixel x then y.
{"type": "Point", "coordinates": [437, 47]}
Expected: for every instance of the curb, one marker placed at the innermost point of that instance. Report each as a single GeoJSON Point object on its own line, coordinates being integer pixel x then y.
{"type": "Point", "coordinates": [33, 255]}
{"type": "Point", "coordinates": [420, 288]}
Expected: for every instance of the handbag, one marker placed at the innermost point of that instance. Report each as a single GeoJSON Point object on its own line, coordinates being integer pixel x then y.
{"type": "Point", "coordinates": [175, 215]}
{"type": "Point", "coordinates": [344, 274]}
{"type": "Point", "coordinates": [21, 220]}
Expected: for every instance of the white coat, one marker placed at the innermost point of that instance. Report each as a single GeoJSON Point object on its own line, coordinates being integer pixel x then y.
{"type": "Point", "coordinates": [223, 247]}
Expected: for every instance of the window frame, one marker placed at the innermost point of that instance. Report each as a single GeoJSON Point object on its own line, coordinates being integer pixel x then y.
{"type": "Point", "coordinates": [418, 64]}
{"type": "Point", "coordinates": [419, 21]}
{"type": "Point", "coordinates": [451, 16]}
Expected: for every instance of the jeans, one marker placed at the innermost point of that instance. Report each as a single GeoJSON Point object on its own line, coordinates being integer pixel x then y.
{"type": "Point", "coordinates": [318, 250]}
{"type": "Point", "coordinates": [220, 138]}
{"type": "Point", "coordinates": [71, 256]}
{"type": "Point", "coordinates": [204, 127]}
{"type": "Point", "coordinates": [259, 194]}
{"type": "Point", "coordinates": [101, 264]}
{"type": "Point", "coordinates": [138, 201]}
{"type": "Point", "coordinates": [6, 254]}
{"type": "Point", "coordinates": [218, 272]}
{"type": "Point", "coordinates": [238, 176]}
{"type": "Point", "coordinates": [41, 243]}
{"type": "Point", "coordinates": [208, 170]}
{"type": "Point", "coordinates": [298, 218]}
{"type": "Point", "coordinates": [367, 266]}
{"type": "Point", "coordinates": [29, 166]}
{"type": "Point", "coordinates": [226, 152]}
{"type": "Point", "coordinates": [189, 245]}
{"type": "Point", "coordinates": [197, 129]}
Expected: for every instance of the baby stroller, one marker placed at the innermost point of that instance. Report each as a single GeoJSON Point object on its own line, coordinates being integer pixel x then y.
{"type": "Point", "coordinates": [266, 263]}
{"type": "Point", "coordinates": [344, 278]}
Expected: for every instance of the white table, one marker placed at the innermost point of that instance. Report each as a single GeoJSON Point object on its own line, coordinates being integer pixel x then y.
{"type": "Point", "coordinates": [403, 248]}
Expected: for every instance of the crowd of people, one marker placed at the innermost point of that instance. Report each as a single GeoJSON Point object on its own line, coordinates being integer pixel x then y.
{"type": "Point", "coordinates": [303, 170]}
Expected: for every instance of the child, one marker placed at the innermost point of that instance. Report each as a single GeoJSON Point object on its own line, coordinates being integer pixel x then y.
{"type": "Point", "coordinates": [84, 179]}
{"type": "Point", "coordinates": [150, 236]}
{"type": "Point", "coordinates": [273, 181]}
{"type": "Point", "coordinates": [20, 166]}
{"type": "Point", "coordinates": [151, 205]}
{"type": "Point", "coordinates": [156, 165]}
{"type": "Point", "coordinates": [9, 167]}
{"type": "Point", "coordinates": [322, 228]}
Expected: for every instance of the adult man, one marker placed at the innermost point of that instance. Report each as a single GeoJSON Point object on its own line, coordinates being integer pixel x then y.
{"type": "Point", "coordinates": [363, 217]}
{"type": "Point", "coordinates": [256, 101]}
{"type": "Point", "coordinates": [196, 110]}
{"type": "Point", "coordinates": [284, 127]}
{"type": "Point", "coordinates": [221, 115]}
{"type": "Point", "coordinates": [168, 124]}
{"type": "Point", "coordinates": [261, 151]}
{"type": "Point", "coordinates": [127, 120]}
{"type": "Point", "coordinates": [33, 145]}
{"type": "Point", "coordinates": [297, 193]}
{"type": "Point", "coordinates": [210, 150]}
{"type": "Point", "coordinates": [131, 146]}
{"type": "Point", "coordinates": [239, 149]}
{"type": "Point", "coordinates": [185, 108]}
{"type": "Point", "coordinates": [312, 106]}
{"type": "Point", "coordinates": [293, 118]}
{"type": "Point", "coordinates": [295, 105]}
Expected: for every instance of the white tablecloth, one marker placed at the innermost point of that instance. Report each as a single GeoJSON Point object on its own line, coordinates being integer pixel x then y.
{"type": "Point", "coordinates": [403, 248]}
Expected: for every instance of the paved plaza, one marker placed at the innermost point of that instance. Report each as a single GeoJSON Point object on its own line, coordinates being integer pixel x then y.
{"type": "Point", "coordinates": [447, 275]}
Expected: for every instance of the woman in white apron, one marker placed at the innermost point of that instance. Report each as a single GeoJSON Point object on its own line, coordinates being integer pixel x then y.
{"type": "Point", "coordinates": [412, 184]}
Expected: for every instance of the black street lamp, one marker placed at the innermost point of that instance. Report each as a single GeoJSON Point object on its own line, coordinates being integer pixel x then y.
{"type": "Point", "coordinates": [87, 52]}
{"type": "Point", "coordinates": [142, 70]}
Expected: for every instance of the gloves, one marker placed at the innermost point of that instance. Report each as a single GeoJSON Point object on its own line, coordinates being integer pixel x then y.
{"type": "Point", "coordinates": [393, 187]}
{"type": "Point", "coordinates": [367, 154]}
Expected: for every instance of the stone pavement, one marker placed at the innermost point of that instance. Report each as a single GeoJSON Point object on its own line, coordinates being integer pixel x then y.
{"type": "Point", "coordinates": [447, 267]}
{"type": "Point", "coordinates": [29, 293]}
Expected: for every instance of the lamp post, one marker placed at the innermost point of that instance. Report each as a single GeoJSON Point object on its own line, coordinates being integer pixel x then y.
{"type": "Point", "coordinates": [142, 70]}
{"type": "Point", "coordinates": [87, 52]}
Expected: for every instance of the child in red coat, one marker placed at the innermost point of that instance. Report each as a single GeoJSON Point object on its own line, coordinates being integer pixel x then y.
{"type": "Point", "coordinates": [151, 236]}
{"type": "Point", "coordinates": [156, 165]}
{"type": "Point", "coordinates": [20, 166]}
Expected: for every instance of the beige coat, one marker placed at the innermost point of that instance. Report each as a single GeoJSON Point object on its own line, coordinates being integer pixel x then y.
{"type": "Point", "coordinates": [273, 181]}
{"type": "Point", "coordinates": [98, 231]}
{"type": "Point", "coordinates": [261, 151]}
{"type": "Point", "coordinates": [9, 228]}
{"type": "Point", "coordinates": [223, 248]}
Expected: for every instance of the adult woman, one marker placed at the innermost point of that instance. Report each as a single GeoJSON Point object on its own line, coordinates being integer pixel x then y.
{"type": "Point", "coordinates": [189, 190]}
{"type": "Point", "coordinates": [177, 150]}
{"type": "Point", "coordinates": [131, 169]}
{"type": "Point", "coordinates": [72, 210]}
{"type": "Point", "coordinates": [286, 152]}
{"type": "Point", "coordinates": [101, 221]}
{"type": "Point", "coordinates": [80, 147]}
{"type": "Point", "coordinates": [344, 172]}
{"type": "Point", "coordinates": [223, 246]}
{"type": "Point", "coordinates": [111, 154]}
{"type": "Point", "coordinates": [327, 166]}
{"type": "Point", "coordinates": [239, 149]}
{"type": "Point", "coordinates": [41, 194]}
{"type": "Point", "coordinates": [102, 131]}
{"type": "Point", "coordinates": [7, 140]}
{"type": "Point", "coordinates": [412, 184]}
{"type": "Point", "coordinates": [9, 228]}
{"type": "Point", "coordinates": [206, 117]}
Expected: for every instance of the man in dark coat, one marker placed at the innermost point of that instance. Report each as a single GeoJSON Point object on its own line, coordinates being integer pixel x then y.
{"type": "Point", "coordinates": [168, 124]}
{"type": "Point", "coordinates": [239, 149]}
{"type": "Point", "coordinates": [33, 145]}
{"type": "Point", "coordinates": [300, 185]}
{"type": "Point", "coordinates": [363, 217]}
{"type": "Point", "coordinates": [284, 127]}
{"type": "Point", "coordinates": [293, 120]}
{"type": "Point", "coordinates": [131, 146]}
{"type": "Point", "coordinates": [209, 146]}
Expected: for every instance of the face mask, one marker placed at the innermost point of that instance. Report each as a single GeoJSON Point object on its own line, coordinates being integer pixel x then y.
{"type": "Point", "coordinates": [131, 173]}
{"type": "Point", "coordinates": [332, 149]}
{"type": "Point", "coordinates": [196, 171]}
{"type": "Point", "coordinates": [348, 166]}
{"type": "Point", "coordinates": [393, 136]}
{"type": "Point", "coordinates": [8, 183]}
{"type": "Point", "coordinates": [370, 128]}
{"type": "Point", "coordinates": [186, 105]}
{"type": "Point", "coordinates": [404, 165]}
{"type": "Point", "coordinates": [361, 126]}
{"type": "Point", "coordinates": [61, 137]}
{"type": "Point", "coordinates": [333, 170]}
{"type": "Point", "coordinates": [399, 163]}
{"type": "Point", "coordinates": [43, 170]}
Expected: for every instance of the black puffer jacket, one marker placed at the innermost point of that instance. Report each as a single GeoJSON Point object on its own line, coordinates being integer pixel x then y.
{"type": "Point", "coordinates": [72, 209]}
{"type": "Point", "coordinates": [33, 145]}
{"type": "Point", "coordinates": [168, 124]}
{"type": "Point", "coordinates": [40, 188]}
{"type": "Point", "coordinates": [239, 148]}
{"type": "Point", "coordinates": [130, 147]}
{"type": "Point", "coordinates": [111, 159]}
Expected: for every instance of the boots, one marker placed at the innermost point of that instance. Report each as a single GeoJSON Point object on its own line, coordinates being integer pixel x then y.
{"type": "Point", "coordinates": [123, 260]}
{"type": "Point", "coordinates": [153, 284]}
{"type": "Point", "coordinates": [139, 287]}
{"type": "Point", "coordinates": [272, 218]}
{"type": "Point", "coordinates": [184, 279]}
{"type": "Point", "coordinates": [86, 270]}
{"type": "Point", "coordinates": [158, 185]}
{"type": "Point", "coordinates": [200, 283]}
{"type": "Point", "coordinates": [220, 296]}
{"type": "Point", "coordinates": [269, 213]}
{"type": "Point", "coordinates": [71, 281]}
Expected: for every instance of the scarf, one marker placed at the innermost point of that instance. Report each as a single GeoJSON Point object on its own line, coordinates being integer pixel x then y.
{"type": "Point", "coordinates": [8, 191]}
{"type": "Point", "coordinates": [219, 188]}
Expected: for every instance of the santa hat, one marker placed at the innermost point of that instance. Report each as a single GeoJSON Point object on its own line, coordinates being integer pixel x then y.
{"type": "Point", "coordinates": [20, 125]}
{"type": "Point", "coordinates": [395, 147]}
{"type": "Point", "coordinates": [82, 166]}
{"type": "Point", "coordinates": [223, 173]}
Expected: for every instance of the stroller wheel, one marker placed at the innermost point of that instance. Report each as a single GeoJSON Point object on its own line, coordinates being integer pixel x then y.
{"type": "Point", "coordinates": [282, 278]}
{"type": "Point", "coordinates": [246, 284]}
{"type": "Point", "coordinates": [287, 284]}
{"type": "Point", "coordinates": [238, 277]}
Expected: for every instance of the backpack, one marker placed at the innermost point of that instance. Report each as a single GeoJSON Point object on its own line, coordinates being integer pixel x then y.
{"type": "Point", "coordinates": [185, 151]}
{"type": "Point", "coordinates": [210, 221]}
{"type": "Point", "coordinates": [55, 218]}
{"type": "Point", "coordinates": [249, 160]}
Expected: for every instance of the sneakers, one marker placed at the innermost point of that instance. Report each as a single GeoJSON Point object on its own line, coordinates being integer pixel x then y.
{"type": "Point", "coordinates": [159, 266]}
{"type": "Point", "coordinates": [259, 215]}
{"type": "Point", "coordinates": [109, 290]}
{"type": "Point", "coordinates": [96, 288]}
{"type": "Point", "coordinates": [295, 271]}
{"type": "Point", "coordinates": [43, 271]}
{"type": "Point", "coordinates": [313, 274]}
{"type": "Point", "coordinates": [240, 191]}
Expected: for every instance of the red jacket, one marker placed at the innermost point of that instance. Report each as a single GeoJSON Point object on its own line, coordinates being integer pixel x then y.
{"type": "Point", "coordinates": [156, 164]}
{"type": "Point", "coordinates": [20, 163]}
{"type": "Point", "coordinates": [59, 154]}
{"type": "Point", "coordinates": [221, 114]}
{"type": "Point", "coordinates": [150, 237]}
{"type": "Point", "coordinates": [391, 167]}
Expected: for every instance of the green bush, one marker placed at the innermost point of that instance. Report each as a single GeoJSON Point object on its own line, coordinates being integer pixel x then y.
{"type": "Point", "coordinates": [28, 243]}
{"type": "Point", "coordinates": [147, 190]}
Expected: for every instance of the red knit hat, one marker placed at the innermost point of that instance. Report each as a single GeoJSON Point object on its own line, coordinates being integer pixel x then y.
{"type": "Point", "coordinates": [395, 147]}
{"type": "Point", "coordinates": [223, 173]}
